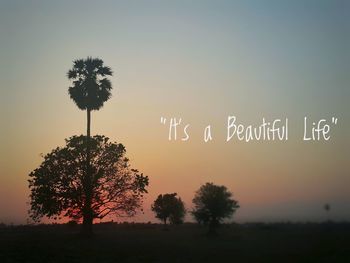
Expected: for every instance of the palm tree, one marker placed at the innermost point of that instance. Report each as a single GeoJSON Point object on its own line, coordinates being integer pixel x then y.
{"type": "Point", "coordinates": [90, 89]}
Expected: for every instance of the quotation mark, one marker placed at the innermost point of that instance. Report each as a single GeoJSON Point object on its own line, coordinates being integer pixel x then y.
{"type": "Point", "coordinates": [162, 120]}
{"type": "Point", "coordinates": [334, 120]}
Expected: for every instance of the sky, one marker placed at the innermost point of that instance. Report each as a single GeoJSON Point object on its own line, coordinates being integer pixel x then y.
{"type": "Point", "coordinates": [196, 60]}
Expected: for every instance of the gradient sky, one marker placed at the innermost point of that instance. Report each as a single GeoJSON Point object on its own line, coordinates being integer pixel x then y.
{"type": "Point", "coordinates": [199, 60]}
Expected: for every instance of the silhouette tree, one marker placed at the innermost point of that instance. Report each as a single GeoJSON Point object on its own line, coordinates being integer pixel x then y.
{"type": "Point", "coordinates": [57, 186]}
{"type": "Point", "coordinates": [168, 206]}
{"type": "Point", "coordinates": [327, 208]}
{"type": "Point", "coordinates": [213, 203]}
{"type": "Point", "coordinates": [90, 89]}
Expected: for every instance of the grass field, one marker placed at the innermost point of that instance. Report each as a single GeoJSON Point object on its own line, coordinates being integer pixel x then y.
{"type": "Point", "coordinates": [185, 243]}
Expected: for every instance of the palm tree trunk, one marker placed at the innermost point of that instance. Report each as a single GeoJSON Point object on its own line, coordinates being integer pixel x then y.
{"type": "Point", "coordinates": [87, 210]}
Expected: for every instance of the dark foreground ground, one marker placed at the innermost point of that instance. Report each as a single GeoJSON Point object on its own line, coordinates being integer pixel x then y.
{"type": "Point", "coordinates": [186, 243]}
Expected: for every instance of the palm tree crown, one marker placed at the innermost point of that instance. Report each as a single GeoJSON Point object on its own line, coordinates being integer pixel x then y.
{"type": "Point", "coordinates": [90, 87]}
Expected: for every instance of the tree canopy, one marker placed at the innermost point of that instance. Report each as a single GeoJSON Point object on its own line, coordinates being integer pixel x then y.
{"type": "Point", "coordinates": [57, 186]}
{"type": "Point", "coordinates": [213, 203]}
{"type": "Point", "coordinates": [91, 87]}
{"type": "Point", "coordinates": [168, 206]}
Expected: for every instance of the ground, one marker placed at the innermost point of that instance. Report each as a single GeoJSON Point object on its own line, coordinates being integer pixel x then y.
{"type": "Point", "coordinates": [328, 242]}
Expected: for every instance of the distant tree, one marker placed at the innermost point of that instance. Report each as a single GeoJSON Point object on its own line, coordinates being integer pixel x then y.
{"type": "Point", "coordinates": [168, 206]}
{"type": "Point", "coordinates": [327, 208]}
{"type": "Point", "coordinates": [90, 89]}
{"type": "Point", "coordinates": [57, 186]}
{"type": "Point", "coordinates": [212, 204]}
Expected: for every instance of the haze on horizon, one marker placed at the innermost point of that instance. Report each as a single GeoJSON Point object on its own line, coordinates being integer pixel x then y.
{"type": "Point", "coordinates": [198, 60]}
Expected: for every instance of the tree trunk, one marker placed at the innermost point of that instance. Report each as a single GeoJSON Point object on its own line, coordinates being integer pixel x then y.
{"type": "Point", "coordinates": [87, 210]}
{"type": "Point", "coordinates": [165, 226]}
{"type": "Point", "coordinates": [212, 227]}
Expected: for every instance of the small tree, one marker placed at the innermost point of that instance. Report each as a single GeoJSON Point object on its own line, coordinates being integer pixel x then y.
{"type": "Point", "coordinates": [168, 206]}
{"type": "Point", "coordinates": [57, 186]}
{"type": "Point", "coordinates": [212, 204]}
{"type": "Point", "coordinates": [327, 208]}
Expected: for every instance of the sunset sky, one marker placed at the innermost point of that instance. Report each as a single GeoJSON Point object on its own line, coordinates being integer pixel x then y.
{"type": "Point", "coordinates": [198, 60]}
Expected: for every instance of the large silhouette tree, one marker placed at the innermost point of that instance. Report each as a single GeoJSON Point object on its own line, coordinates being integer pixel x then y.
{"type": "Point", "coordinates": [213, 203]}
{"type": "Point", "coordinates": [90, 89]}
{"type": "Point", "coordinates": [58, 184]}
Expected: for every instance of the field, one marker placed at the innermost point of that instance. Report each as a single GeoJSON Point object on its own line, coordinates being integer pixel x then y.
{"type": "Point", "coordinates": [113, 242]}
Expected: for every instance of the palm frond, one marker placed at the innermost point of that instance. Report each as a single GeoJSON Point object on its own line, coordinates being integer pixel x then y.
{"type": "Point", "coordinates": [90, 87]}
